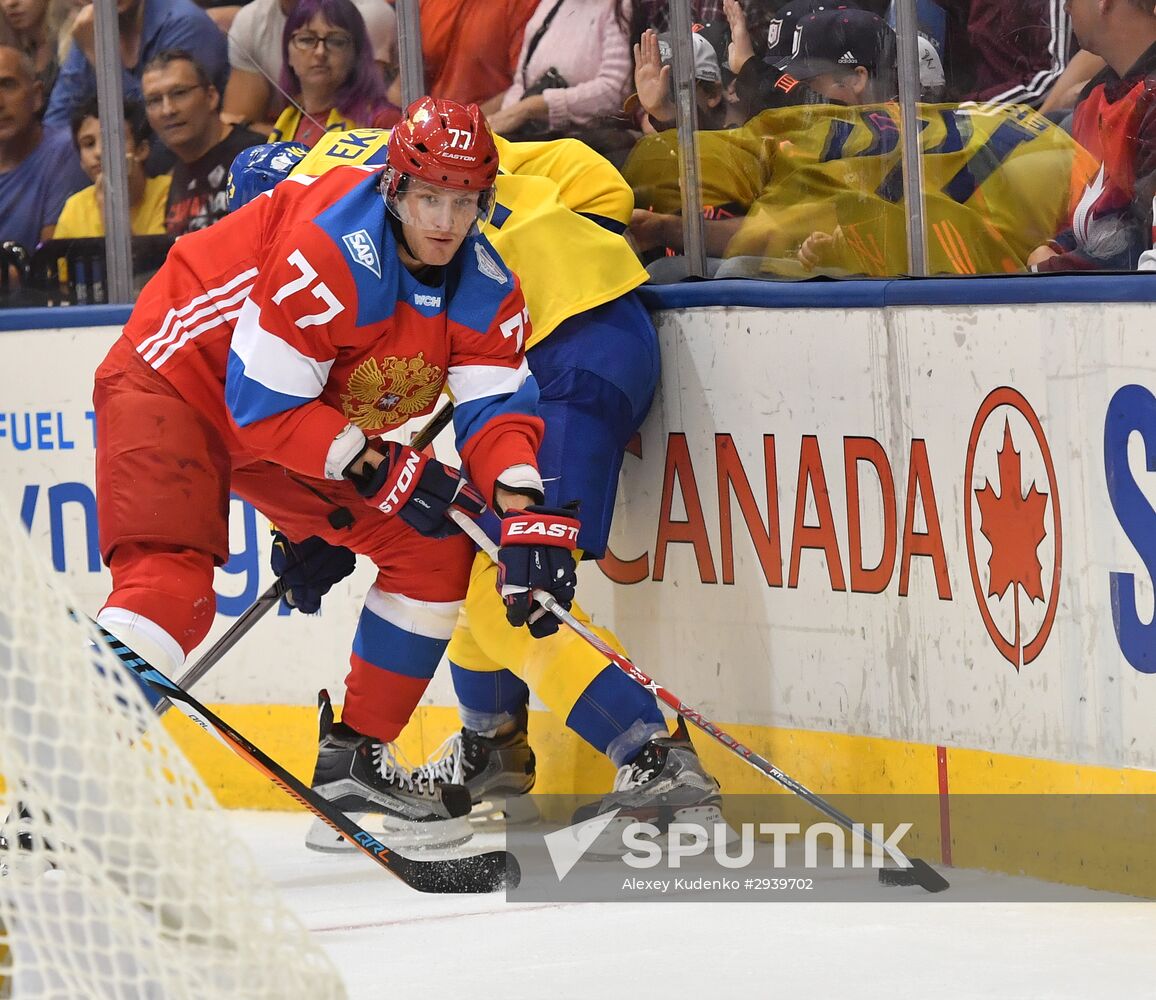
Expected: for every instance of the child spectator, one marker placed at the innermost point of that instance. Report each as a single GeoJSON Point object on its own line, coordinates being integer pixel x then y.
{"type": "Point", "coordinates": [83, 213]}
{"type": "Point", "coordinates": [33, 27]}
{"type": "Point", "coordinates": [760, 82]}
{"type": "Point", "coordinates": [39, 167]}
{"type": "Point", "coordinates": [329, 74]}
{"type": "Point", "coordinates": [182, 106]}
{"type": "Point", "coordinates": [654, 96]}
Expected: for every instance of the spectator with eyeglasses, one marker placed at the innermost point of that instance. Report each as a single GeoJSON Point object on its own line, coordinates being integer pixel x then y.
{"type": "Point", "coordinates": [144, 29]}
{"type": "Point", "coordinates": [256, 57]}
{"type": "Point", "coordinates": [329, 75]}
{"type": "Point", "coordinates": [182, 106]}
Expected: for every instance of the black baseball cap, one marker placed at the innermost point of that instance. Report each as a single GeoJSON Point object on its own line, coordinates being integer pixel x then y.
{"type": "Point", "coordinates": [841, 39]}
{"type": "Point", "coordinates": [784, 23]}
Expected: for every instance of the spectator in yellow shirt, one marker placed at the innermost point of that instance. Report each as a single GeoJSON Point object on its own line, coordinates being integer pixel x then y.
{"type": "Point", "coordinates": [83, 213]}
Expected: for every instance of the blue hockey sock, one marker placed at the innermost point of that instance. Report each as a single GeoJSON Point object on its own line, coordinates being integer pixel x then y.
{"type": "Point", "coordinates": [616, 716]}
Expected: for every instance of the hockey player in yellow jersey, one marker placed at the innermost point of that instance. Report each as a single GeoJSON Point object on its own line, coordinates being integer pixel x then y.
{"type": "Point", "coordinates": [559, 214]}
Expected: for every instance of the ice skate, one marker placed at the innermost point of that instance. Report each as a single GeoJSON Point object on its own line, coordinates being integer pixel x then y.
{"type": "Point", "coordinates": [363, 776]}
{"type": "Point", "coordinates": [497, 770]}
{"type": "Point", "coordinates": [20, 848]}
{"type": "Point", "coordinates": [665, 783]}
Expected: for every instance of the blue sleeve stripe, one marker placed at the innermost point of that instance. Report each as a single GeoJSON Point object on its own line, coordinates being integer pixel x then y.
{"type": "Point", "coordinates": [249, 401]}
{"type": "Point", "coordinates": [470, 417]}
{"type": "Point", "coordinates": [616, 227]}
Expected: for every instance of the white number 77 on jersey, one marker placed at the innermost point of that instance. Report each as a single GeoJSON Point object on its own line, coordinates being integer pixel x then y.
{"type": "Point", "coordinates": [515, 326]}
{"type": "Point", "coordinates": [320, 291]}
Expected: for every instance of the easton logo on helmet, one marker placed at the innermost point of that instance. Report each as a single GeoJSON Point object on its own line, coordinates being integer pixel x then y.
{"type": "Point", "coordinates": [444, 143]}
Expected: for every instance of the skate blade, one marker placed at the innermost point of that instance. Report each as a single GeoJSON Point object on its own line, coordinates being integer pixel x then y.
{"type": "Point", "coordinates": [609, 846]}
{"type": "Point", "coordinates": [395, 834]}
{"type": "Point", "coordinates": [515, 810]}
{"type": "Point", "coordinates": [322, 837]}
{"type": "Point", "coordinates": [437, 833]}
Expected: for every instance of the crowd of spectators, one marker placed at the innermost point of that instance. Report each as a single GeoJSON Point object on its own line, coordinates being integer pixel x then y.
{"type": "Point", "coordinates": [1023, 102]}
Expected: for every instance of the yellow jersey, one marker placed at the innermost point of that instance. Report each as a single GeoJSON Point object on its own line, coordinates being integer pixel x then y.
{"type": "Point", "coordinates": [80, 217]}
{"type": "Point", "coordinates": [997, 184]}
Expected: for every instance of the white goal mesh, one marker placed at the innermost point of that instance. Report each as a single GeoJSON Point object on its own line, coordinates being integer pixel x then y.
{"type": "Point", "coordinates": [119, 875]}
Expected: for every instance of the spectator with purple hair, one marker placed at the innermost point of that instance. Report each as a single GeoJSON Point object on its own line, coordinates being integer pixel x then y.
{"type": "Point", "coordinates": [329, 74]}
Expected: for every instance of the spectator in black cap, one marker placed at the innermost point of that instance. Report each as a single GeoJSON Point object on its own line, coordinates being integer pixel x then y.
{"type": "Point", "coordinates": [759, 82]}
{"type": "Point", "coordinates": [846, 55]}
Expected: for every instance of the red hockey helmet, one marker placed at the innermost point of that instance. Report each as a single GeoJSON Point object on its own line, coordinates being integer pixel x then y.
{"type": "Point", "coordinates": [446, 144]}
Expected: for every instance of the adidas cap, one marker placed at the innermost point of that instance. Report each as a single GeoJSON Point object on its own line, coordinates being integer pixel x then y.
{"type": "Point", "coordinates": [784, 23]}
{"type": "Point", "coordinates": [840, 39]}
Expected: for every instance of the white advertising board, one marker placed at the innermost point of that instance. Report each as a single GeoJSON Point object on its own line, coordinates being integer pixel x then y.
{"type": "Point", "coordinates": [929, 524]}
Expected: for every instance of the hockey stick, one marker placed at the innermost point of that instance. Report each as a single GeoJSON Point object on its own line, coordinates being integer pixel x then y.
{"type": "Point", "coordinates": [256, 611]}
{"type": "Point", "coordinates": [486, 872]}
{"type": "Point", "coordinates": [920, 873]}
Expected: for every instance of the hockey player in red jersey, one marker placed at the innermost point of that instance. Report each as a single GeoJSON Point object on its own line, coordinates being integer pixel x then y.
{"type": "Point", "coordinates": [264, 358]}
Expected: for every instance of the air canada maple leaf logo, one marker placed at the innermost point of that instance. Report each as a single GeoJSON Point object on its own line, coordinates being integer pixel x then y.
{"type": "Point", "coordinates": [1016, 518]}
{"type": "Point", "coordinates": [1014, 525]}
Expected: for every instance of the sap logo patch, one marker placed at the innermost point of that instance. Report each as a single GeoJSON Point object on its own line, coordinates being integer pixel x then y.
{"type": "Point", "coordinates": [431, 301]}
{"type": "Point", "coordinates": [488, 266]}
{"type": "Point", "coordinates": [363, 251]}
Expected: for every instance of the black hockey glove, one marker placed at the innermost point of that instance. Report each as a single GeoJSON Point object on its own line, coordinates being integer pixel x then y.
{"type": "Point", "coordinates": [420, 490]}
{"type": "Point", "coordinates": [537, 554]}
{"type": "Point", "coordinates": [309, 569]}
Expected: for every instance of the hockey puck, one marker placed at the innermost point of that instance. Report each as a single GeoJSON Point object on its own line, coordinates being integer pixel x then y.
{"type": "Point", "coordinates": [896, 876]}
{"type": "Point", "coordinates": [920, 873]}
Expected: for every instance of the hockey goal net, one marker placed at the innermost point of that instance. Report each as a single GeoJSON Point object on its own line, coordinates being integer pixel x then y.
{"type": "Point", "coordinates": [119, 875]}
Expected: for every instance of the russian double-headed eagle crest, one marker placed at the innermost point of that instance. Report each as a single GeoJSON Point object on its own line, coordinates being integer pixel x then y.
{"type": "Point", "coordinates": [387, 393]}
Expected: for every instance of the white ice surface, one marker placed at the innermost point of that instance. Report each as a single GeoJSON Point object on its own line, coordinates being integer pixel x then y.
{"type": "Point", "coordinates": [396, 944]}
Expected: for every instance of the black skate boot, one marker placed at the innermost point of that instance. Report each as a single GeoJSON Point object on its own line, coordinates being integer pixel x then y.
{"type": "Point", "coordinates": [497, 770]}
{"type": "Point", "coordinates": [20, 849]}
{"type": "Point", "coordinates": [361, 775]}
{"type": "Point", "coordinates": [664, 784]}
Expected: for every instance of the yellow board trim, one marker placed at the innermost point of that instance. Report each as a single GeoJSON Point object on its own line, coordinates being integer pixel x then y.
{"type": "Point", "coordinates": [1044, 839]}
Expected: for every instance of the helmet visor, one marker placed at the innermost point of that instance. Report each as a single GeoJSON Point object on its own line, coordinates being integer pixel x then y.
{"type": "Point", "coordinates": [433, 208]}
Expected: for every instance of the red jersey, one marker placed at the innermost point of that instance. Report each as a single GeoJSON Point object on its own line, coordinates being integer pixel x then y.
{"type": "Point", "coordinates": [293, 326]}
{"type": "Point", "coordinates": [1115, 121]}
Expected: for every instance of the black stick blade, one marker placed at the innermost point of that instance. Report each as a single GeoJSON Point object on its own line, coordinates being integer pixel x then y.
{"type": "Point", "coordinates": [489, 872]}
{"type": "Point", "coordinates": [920, 873]}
